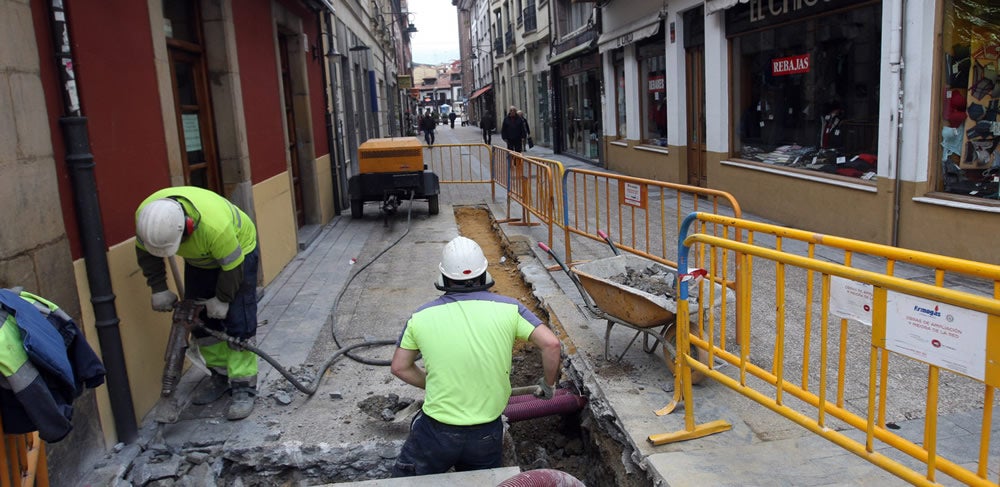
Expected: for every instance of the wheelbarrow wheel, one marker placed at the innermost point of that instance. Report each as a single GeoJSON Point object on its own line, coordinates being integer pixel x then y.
{"type": "Point", "coordinates": [669, 354]}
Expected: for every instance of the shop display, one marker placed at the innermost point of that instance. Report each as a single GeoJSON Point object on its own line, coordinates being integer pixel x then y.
{"type": "Point", "coordinates": [970, 118]}
{"type": "Point", "coordinates": [809, 91]}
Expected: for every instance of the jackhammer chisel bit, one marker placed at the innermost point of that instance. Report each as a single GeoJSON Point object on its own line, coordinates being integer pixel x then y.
{"type": "Point", "coordinates": [186, 316]}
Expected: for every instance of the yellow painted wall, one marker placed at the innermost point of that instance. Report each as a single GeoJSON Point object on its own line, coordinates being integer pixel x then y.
{"type": "Point", "coordinates": [276, 228]}
{"type": "Point", "coordinates": [143, 332]}
{"type": "Point", "coordinates": [807, 205]}
{"type": "Point", "coordinates": [648, 164]}
{"type": "Point", "coordinates": [324, 186]}
{"type": "Point", "coordinates": [956, 232]}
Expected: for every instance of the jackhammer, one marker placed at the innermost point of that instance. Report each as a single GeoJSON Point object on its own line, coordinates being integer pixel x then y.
{"type": "Point", "coordinates": [188, 316]}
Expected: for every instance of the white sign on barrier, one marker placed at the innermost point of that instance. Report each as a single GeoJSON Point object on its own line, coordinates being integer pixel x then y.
{"type": "Point", "coordinates": [940, 334]}
{"type": "Point", "coordinates": [851, 300]}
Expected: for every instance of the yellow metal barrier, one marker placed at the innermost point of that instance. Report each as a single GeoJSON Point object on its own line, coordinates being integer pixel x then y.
{"type": "Point", "coordinates": [899, 342]}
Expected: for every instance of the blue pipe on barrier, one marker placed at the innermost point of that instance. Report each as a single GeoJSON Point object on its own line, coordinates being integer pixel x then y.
{"type": "Point", "coordinates": [565, 199]}
{"type": "Point", "coordinates": [682, 255]}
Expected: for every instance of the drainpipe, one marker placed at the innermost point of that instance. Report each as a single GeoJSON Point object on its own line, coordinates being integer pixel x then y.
{"type": "Point", "coordinates": [328, 108]}
{"type": "Point", "coordinates": [897, 66]}
{"type": "Point", "coordinates": [80, 163]}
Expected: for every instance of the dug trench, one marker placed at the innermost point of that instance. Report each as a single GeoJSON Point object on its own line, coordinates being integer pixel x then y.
{"type": "Point", "coordinates": [582, 444]}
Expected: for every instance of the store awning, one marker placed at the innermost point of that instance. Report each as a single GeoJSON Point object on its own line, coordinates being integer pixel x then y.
{"type": "Point", "coordinates": [712, 6]}
{"type": "Point", "coordinates": [632, 32]}
{"type": "Point", "coordinates": [572, 52]}
{"type": "Point", "coordinates": [480, 91]}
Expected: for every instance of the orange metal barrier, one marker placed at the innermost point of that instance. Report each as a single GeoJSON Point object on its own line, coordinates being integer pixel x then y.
{"type": "Point", "coordinates": [891, 327]}
{"type": "Point", "coordinates": [641, 215]}
{"type": "Point", "coordinates": [532, 183]}
{"type": "Point", "coordinates": [459, 163]}
{"type": "Point", "coordinates": [23, 461]}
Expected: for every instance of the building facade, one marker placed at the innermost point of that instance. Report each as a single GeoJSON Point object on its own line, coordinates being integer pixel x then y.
{"type": "Point", "coordinates": [254, 100]}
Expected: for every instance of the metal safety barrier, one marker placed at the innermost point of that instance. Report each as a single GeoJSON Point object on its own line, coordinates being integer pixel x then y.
{"type": "Point", "coordinates": [460, 163]}
{"type": "Point", "coordinates": [641, 215]}
{"type": "Point", "coordinates": [23, 461]}
{"type": "Point", "coordinates": [532, 183]}
{"type": "Point", "coordinates": [892, 328]}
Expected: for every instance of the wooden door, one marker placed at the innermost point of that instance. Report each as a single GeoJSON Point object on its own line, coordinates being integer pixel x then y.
{"type": "Point", "coordinates": [695, 74]}
{"type": "Point", "coordinates": [293, 142]}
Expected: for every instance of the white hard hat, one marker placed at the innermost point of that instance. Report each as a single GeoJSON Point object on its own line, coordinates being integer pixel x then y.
{"type": "Point", "coordinates": [159, 226]}
{"type": "Point", "coordinates": [462, 259]}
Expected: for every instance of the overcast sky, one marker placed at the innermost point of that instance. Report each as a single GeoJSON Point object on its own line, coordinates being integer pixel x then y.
{"type": "Point", "coordinates": [436, 39]}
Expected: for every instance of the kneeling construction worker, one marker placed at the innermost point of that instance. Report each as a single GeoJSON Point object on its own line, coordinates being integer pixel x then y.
{"type": "Point", "coordinates": [466, 338]}
{"type": "Point", "coordinates": [219, 245]}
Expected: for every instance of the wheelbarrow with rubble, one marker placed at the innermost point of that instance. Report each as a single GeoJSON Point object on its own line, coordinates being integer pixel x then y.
{"type": "Point", "coordinates": [636, 293]}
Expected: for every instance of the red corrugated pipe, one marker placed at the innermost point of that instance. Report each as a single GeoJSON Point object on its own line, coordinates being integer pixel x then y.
{"type": "Point", "coordinates": [527, 406]}
{"type": "Point", "coordinates": [543, 477]}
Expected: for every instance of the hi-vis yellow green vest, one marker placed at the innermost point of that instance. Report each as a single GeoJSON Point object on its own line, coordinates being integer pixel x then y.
{"type": "Point", "coordinates": [223, 233]}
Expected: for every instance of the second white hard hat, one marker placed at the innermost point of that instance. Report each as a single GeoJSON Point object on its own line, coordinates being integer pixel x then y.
{"type": "Point", "coordinates": [462, 259]}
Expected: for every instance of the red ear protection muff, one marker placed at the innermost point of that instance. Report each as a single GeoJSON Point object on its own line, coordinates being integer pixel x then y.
{"type": "Point", "coordinates": [189, 225]}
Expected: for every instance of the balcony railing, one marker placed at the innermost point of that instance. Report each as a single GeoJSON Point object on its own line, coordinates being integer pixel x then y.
{"type": "Point", "coordinates": [508, 37]}
{"type": "Point", "coordinates": [498, 46]}
{"type": "Point", "coordinates": [530, 18]}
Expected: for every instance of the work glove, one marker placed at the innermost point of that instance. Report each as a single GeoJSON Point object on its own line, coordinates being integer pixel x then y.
{"type": "Point", "coordinates": [215, 308]}
{"type": "Point", "coordinates": [164, 300]}
{"type": "Point", "coordinates": [544, 391]}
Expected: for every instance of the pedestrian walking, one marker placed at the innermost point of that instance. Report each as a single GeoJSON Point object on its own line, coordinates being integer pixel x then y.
{"type": "Point", "coordinates": [512, 130]}
{"type": "Point", "coordinates": [451, 118]}
{"type": "Point", "coordinates": [527, 143]}
{"type": "Point", "coordinates": [218, 242]}
{"type": "Point", "coordinates": [428, 125]}
{"type": "Point", "coordinates": [488, 123]}
{"type": "Point", "coordinates": [466, 338]}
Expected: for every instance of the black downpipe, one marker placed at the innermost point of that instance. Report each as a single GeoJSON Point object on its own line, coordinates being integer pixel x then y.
{"type": "Point", "coordinates": [328, 107]}
{"type": "Point", "coordinates": [80, 163]}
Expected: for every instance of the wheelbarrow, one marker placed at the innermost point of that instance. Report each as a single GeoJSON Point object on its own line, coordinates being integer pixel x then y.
{"type": "Point", "coordinates": [653, 316]}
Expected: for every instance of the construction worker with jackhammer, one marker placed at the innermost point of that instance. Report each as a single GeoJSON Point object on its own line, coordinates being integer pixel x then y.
{"type": "Point", "coordinates": [466, 338]}
{"type": "Point", "coordinates": [218, 242]}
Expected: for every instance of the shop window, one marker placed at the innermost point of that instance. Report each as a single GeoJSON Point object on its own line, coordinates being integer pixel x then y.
{"type": "Point", "coordinates": [618, 61]}
{"type": "Point", "coordinates": [653, 91]}
{"type": "Point", "coordinates": [806, 93]}
{"type": "Point", "coordinates": [970, 110]}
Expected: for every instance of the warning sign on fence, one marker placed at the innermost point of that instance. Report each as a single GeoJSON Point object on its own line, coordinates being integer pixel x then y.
{"type": "Point", "coordinates": [940, 334]}
{"type": "Point", "coordinates": [632, 194]}
{"type": "Point", "coordinates": [851, 300]}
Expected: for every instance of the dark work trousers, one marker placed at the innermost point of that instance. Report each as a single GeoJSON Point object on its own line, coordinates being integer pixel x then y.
{"type": "Point", "coordinates": [434, 447]}
{"type": "Point", "coordinates": [515, 145]}
{"type": "Point", "coordinates": [429, 137]}
{"type": "Point", "coordinates": [241, 321]}
{"type": "Point", "coordinates": [487, 136]}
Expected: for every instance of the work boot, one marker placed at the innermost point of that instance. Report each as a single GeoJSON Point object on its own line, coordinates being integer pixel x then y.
{"type": "Point", "coordinates": [211, 390]}
{"type": "Point", "coordinates": [242, 403]}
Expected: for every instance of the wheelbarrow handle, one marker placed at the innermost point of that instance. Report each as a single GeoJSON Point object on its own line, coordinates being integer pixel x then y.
{"type": "Point", "coordinates": [614, 248]}
{"type": "Point", "coordinates": [559, 261]}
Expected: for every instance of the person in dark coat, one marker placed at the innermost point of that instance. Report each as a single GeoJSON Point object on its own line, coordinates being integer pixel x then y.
{"type": "Point", "coordinates": [512, 130]}
{"type": "Point", "coordinates": [488, 123]}
{"type": "Point", "coordinates": [428, 125]}
{"type": "Point", "coordinates": [526, 143]}
{"type": "Point", "coordinates": [451, 118]}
